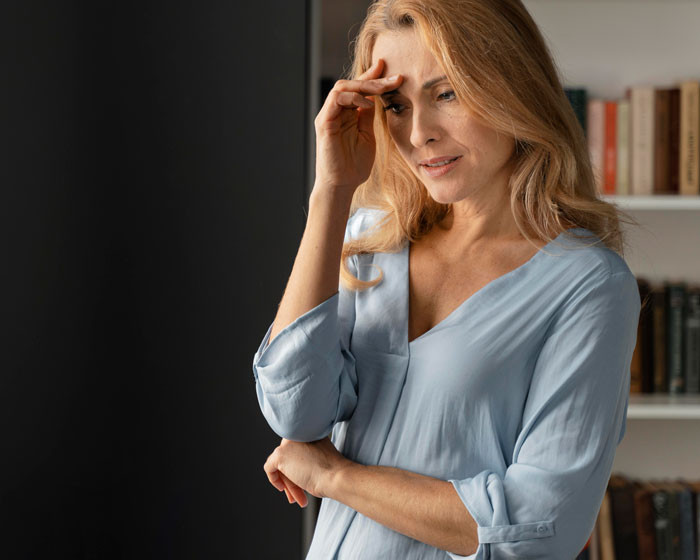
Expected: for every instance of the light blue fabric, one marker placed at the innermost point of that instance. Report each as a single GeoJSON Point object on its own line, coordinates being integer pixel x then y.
{"type": "Point", "coordinates": [518, 397]}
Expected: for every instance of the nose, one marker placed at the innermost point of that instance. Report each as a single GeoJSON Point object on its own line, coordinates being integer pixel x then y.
{"type": "Point", "coordinates": [424, 126]}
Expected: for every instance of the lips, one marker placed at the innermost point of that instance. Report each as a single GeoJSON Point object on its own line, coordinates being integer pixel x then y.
{"type": "Point", "coordinates": [438, 161]}
{"type": "Point", "coordinates": [438, 166]}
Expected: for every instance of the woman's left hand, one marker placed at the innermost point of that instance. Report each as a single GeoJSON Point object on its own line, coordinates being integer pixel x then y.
{"type": "Point", "coordinates": [295, 466]}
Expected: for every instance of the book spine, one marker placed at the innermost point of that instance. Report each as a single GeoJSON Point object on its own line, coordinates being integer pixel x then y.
{"type": "Point", "coordinates": [610, 159]}
{"type": "Point", "coordinates": [675, 522]}
{"type": "Point", "coordinates": [636, 362]}
{"type": "Point", "coordinates": [623, 154]}
{"type": "Point", "coordinates": [692, 341]}
{"type": "Point", "coordinates": [595, 126]}
{"type": "Point", "coordinates": [674, 142]}
{"type": "Point", "coordinates": [689, 181]}
{"type": "Point", "coordinates": [697, 519]}
{"type": "Point", "coordinates": [674, 337]}
{"type": "Point", "coordinates": [659, 307]}
{"type": "Point", "coordinates": [578, 97]}
{"type": "Point", "coordinates": [607, 547]}
{"type": "Point", "coordinates": [687, 532]}
{"type": "Point", "coordinates": [661, 136]}
{"type": "Point", "coordinates": [644, 521]}
{"type": "Point", "coordinates": [642, 102]}
{"type": "Point", "coordinates": [662, 525]}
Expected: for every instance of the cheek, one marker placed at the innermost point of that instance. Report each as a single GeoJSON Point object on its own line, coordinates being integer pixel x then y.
{"type": "Point", "coordinates": [397, 130]}
{"type": "Point", "coordinates": [399, 133]}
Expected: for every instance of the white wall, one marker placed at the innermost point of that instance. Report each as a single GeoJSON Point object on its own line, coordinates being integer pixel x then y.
{"type": "Point", "coordinates": [608, 45]}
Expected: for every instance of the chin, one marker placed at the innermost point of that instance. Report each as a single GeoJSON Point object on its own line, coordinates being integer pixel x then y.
{"type": "Point", "coordinates": [442, 197]}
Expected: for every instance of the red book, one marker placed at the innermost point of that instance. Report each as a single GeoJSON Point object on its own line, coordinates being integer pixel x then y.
{"type": "Point", "coordinates": [610, 168]}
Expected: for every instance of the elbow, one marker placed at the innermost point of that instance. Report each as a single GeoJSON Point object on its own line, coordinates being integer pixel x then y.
{"type": "Point", "coordinates": [298, 430]}
{"type": "Point", "coordinates": [464, 549]}
{"type": "Point", "coordinates": [294, 423]}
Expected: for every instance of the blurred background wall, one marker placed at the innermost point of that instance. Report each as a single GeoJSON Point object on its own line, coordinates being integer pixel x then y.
{"type": "Point", "coordinates": [153, 168]}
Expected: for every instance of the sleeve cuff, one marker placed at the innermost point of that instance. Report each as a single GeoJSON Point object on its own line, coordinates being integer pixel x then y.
{"type": "Point", "coordinates": [319, 324]}
{"type": "Point", "coordinates": [484, 498]}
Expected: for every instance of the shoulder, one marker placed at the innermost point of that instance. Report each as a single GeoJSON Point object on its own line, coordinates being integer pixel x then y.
{"type": "Point", "coordinates": [579, 264]}
{"type": "Point", "coordinates": [362, 221]}
{"type": "Point", "coordinates": [581, 251]}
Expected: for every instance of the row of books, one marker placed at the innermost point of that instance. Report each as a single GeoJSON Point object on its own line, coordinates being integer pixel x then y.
{"type": "Point", "coordinates": [646, 520]}
{"type": "Point", "coordinates": [646, 143]}
{"type": "Point", "coordinates": [666, 358]}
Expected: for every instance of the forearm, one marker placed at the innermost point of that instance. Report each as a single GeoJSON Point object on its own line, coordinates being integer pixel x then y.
{"type": "Point", "coordinates": [421, 507]}
{"type": "Point", "coordinates": [316, 269]}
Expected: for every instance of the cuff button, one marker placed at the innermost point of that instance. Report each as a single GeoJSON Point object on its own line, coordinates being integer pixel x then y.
{"type": "Point", "coordinates": [541, 528]}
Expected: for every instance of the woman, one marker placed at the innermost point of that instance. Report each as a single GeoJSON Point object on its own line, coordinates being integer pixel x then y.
{"type": "Point", "coordinates": [472, 367]}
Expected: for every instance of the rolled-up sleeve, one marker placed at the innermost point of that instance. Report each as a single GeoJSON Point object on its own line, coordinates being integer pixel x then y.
{"type": "Point", "coordinates": [545, 504]}
{"type": "Point", "coordinates": [305, 378]}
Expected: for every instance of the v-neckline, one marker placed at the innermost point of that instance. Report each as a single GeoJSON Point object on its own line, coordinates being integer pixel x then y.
{"type": "Point", "coordinates": [464, 303]}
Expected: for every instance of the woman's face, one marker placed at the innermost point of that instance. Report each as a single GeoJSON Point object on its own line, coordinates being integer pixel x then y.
{"type": "Point", "coordinates": [452, 153]}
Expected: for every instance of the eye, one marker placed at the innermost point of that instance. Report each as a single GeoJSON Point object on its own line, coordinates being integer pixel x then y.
{"type": "Point", "coordinates": [447, 95]}
{"type": "Point", "coordinates": [395, 108]}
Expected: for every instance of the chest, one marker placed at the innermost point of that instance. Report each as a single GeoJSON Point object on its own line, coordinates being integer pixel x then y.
{"type": "Point", "coordinates": [438, 286]}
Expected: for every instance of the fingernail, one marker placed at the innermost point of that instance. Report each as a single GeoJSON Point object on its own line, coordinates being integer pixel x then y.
{"type": "Point", "coordinates": [392, 78]}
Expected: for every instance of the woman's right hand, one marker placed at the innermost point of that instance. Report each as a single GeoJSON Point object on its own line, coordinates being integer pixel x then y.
{"type": "Point", "coordinates": [345, 144]}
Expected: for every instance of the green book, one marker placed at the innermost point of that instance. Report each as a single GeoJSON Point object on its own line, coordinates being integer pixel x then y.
{"type": "Point", "coordinates": [675, 311]}
{"type": "Point", "coordinates": [578, 98]}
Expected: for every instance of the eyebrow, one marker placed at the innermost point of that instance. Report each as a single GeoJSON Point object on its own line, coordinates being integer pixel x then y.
{"type": "Point", "coordinates": [426, 85]}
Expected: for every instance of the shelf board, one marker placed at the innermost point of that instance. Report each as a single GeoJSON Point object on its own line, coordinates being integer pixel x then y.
{"type": "Point", "coordinates": [670, 407]}
{"type": "Point", "coordinates": [655, 202]}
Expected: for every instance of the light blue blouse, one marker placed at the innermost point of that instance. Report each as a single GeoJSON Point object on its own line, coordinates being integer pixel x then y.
{"type": "Point", "coordinates": [518, 397]}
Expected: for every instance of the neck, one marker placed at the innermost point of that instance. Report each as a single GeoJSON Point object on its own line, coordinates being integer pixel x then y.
{"type": "Point", "coordinates": [476, 220]}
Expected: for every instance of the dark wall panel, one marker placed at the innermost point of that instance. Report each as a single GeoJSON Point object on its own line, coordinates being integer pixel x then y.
{"type": "Point", "coordinates": [152, 185]}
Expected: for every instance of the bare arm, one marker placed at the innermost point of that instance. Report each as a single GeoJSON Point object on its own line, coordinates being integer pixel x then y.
{"type": "Point", "coordinates": [421, 507]}
{"type": "Point", "coordinates": [345, 148]}
{"type": "Point", "coordinates": [424, 508]}
{"type": "Point", "coordinates": [316, 269]}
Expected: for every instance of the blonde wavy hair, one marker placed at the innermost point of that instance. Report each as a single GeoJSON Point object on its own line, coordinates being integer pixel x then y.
{"type": "Point", "coordinates": [502, 70]}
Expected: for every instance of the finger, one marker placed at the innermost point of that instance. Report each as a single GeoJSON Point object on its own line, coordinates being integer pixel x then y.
{"type": "Point", "coordinates": [273, 475]}
{"type": "Point", "coordinates": [296, 491]}
{"type": "Point", "coordinates": [365, 123]}
{"type": "Point", "coordinates": [338, 101]}
{"type": "Point", "coordinates": [373, 71]}
{"type": "Point", "coordinates": [350, 99]}
{"type": "Point", "coordinates": [290, 497]}
{"type": "Point", "coordinates": [275, 479]}
{"type": "Point", "coordinates": [372, 86]}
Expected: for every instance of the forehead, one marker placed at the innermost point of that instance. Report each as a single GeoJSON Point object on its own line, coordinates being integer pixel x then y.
{"type": "Point", "coordinates": [405, 53]}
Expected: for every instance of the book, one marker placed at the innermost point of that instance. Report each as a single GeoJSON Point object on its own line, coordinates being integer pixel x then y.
{"type": "Point", "coordinates": [622, 180]}
{"type": "Point", "coordinates": [595, 130]}
{"type": "Point", "coordinates": [689, 181]}
{"type": "Point", "coordinates": [663, 532]}
{"type": "Point", "coordinates": [607, 546]}
{"type": "Point", "coordinates": [686, 520]}
{"type": "Point", "coordinates": [659, 351]}
{"type": "Point", "coordinates": [675, 519]}
{"type": "Point", "coordinates": [691, 339]}
{"type": "Point", "coordinates": [642, 103]}
{"type": "Point", "coordinates": [644, 521]}
{"type": "Point", "coordinates": [642, 364]}
{"type": "Point", "coordinates": [621, 491]}
{"type": "Point", "coordinates": [674, 142]}
{"type": "Point", "coordinates": [610, 148]}
{"type": "Point", "coordinates": [578, 97]}
{"type": "Point", "coordinates": [662, 126]}
{"type": "Point", "coordinates": [675, 307]}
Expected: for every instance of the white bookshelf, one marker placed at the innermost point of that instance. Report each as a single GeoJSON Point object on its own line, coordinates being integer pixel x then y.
{"type": "Point", "coordinates": [607, 46]}
{"type": "Point", "coordinates": [657, 202]}
{"type": "Point", "coordinates": [664, 407]}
